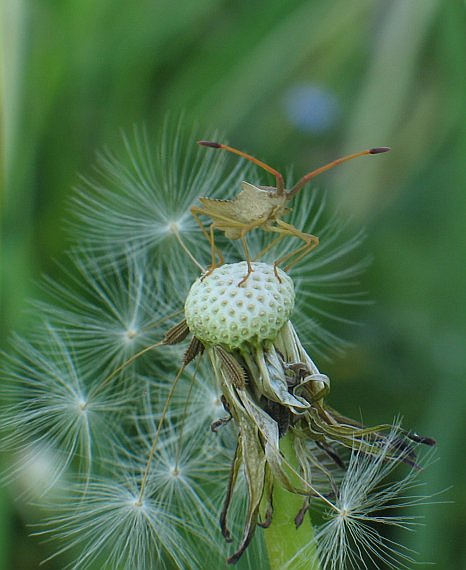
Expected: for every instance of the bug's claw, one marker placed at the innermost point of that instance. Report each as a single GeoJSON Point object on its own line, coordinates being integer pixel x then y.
{"type": "Point", "coordinates": [246, 277]}
{"type": "Point", "coordinates": [209, 271]}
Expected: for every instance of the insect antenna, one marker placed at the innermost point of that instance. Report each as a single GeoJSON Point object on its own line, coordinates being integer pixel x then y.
{"type": "Point", "coordinates": [305, 179]}
{"type": "Point", "coordinates": [278, 176]}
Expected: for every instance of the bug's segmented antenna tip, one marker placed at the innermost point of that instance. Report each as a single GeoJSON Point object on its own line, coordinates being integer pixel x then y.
{"type": "Point", "coordinates": [210, 144]}
{"type": "Point", "coordinates": [379, 149]}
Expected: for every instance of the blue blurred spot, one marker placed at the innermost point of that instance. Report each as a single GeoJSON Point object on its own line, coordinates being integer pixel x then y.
{"type": "Point", "coordinates": [310, 108]}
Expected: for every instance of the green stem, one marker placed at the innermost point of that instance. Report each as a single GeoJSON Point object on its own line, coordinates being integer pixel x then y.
{"type": "Point", "coordinates": [287, 546]}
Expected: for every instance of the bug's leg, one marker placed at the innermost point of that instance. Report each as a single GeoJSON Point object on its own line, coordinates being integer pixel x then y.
{"type": "Point", "coordinates": [269, 246]}
{"type": "Point", "coordinates": [195, 211]}
{"type": "Point", "coordinates": [243, 231]}
{"type": "Point", "coordinates": [213, 248]}
{"type": "Point", "coordinates": [310, 242]}
{"type": "Point", "coordinates": [265, 249]}
{"type": "Point", "coordinates": [247, 256]}
{"type": "Point", "coordinates": [215, 252]}
{"type": "Point", "coordinates": [305, 249]}
{"type": "Point", "coordinates": [209, 235]}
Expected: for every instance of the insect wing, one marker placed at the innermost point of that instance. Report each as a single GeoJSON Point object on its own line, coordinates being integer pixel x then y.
{"type": "Point", "coordinates": [219, 209]}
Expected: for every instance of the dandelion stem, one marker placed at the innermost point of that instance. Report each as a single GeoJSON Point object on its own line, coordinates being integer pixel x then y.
{"type": "Point", "coordinates": [125, 364]}
{"type": "Point", "coordinates": [287, 546]}
{"type": "Point", "coordinates": [157, 433]}
{"type": "Point", "coordinates": [185, 415]}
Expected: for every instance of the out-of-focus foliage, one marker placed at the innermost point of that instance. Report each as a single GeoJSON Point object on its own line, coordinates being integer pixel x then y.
{"type": "Point", "coordinates": [294, 82]}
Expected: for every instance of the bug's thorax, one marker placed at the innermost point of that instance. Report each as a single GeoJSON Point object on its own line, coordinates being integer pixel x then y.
{"type": "Point", "coordinates": [259, 202]}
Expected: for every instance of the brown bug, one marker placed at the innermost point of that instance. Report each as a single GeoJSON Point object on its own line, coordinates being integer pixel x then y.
{"type": "Point", "coordinates": [260, 206]}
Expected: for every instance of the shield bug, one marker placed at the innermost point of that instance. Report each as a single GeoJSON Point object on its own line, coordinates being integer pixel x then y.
{"type": "Point", "coordinates": [260, 207]}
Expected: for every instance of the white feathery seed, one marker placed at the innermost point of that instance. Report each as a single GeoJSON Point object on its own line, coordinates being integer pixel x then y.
{"type": "Point", "coordinates": [110, 311]}
{"type": "Point", "coordinates": [49, 400]}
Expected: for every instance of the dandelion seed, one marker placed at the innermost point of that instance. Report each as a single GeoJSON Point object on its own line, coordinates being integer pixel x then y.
{"type": "Point", "coordinates": [49, 401]}
{"type": "Point", "coordinates": [183, 468]}
{"type": "Point", "coordinates": [110, 524]}
{"type": "Point", "coordinates": [110, 313]}
{"type": "Point", "coordinates": [369, 498]}
{"type": "Point", "coordinates": [142, 200]}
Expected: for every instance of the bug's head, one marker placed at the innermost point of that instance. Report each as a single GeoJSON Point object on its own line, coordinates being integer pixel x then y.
{"type": "Point", "coordinates": [289, 194]}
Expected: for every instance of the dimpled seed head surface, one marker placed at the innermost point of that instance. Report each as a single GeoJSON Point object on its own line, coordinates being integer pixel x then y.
{"type": "Point", "coordinates": [218, 312]}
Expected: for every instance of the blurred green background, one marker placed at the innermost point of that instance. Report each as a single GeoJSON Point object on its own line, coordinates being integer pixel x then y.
{"type": "Point", "coordinates": [294, 82]}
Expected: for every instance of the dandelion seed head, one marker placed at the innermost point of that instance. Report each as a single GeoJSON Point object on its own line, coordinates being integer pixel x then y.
{"type": "Point", "coordinates": [218, 312]}
{"type": "Point", "coordinates": [175, 471]}
{"type": "Point", "coordinates": [142, 473]}
{"type": "Point", "coordinates": [343, 512]}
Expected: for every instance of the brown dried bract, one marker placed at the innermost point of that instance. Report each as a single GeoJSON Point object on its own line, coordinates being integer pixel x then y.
{"type": "Point", "coordinates": [195, 347]}
{"type": "Point", "coordinates": [232, 367]}
{"type": "Point", "coordinates": [177, 333]}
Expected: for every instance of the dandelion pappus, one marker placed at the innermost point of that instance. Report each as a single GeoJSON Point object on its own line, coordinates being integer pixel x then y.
{"type": "Point", "coordinates": [260, 207]}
